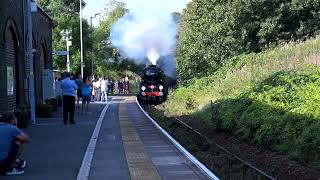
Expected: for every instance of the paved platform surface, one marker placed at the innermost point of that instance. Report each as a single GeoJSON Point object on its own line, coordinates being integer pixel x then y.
{"type": "Point", "coordinates": [128, 147]}
{"type": "Point", "coordinates": [168, 161]}
{"type": "Point", "coordinates": [57, 150]}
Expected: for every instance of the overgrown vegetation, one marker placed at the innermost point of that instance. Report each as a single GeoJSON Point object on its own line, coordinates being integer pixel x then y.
{"type": "Point", "coordinates": [282, 112]}
{"type": "Point", "coordinates": [212, 31]}
{"type": "Point", "coordinates": [240, 73]}
{"type": "Point", "coordinates": [268, 98]}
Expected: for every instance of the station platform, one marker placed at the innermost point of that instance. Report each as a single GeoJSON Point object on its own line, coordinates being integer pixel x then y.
{"type": "Point", "coordinates": [115, 140]}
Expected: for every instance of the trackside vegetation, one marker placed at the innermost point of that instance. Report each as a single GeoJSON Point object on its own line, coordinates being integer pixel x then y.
{"type": "Point", "coordinates": [269, 98]}
{"type": "Point", "coordinates": [212, 31]}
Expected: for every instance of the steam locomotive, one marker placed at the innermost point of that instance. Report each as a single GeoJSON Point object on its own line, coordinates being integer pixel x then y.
{"type": "Point", "coordinates": [152, 87]}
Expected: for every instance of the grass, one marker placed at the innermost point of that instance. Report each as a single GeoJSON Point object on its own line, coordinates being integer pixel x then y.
{"type": "Point", "coordinates": [269, 98]}
{"type": "Point", "coordinates": [239, 74]}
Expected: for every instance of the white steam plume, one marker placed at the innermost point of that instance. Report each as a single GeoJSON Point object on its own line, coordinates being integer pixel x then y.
{"type": "Point", "coordinates": [148, 30]}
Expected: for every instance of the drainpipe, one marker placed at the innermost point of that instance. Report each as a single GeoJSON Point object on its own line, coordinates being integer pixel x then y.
{"type": "Point", "coordinates": [30, 57]}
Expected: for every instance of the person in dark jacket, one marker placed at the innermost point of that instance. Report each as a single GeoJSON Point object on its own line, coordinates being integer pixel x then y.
{"type": "Point", "coordinates": [119, 87]}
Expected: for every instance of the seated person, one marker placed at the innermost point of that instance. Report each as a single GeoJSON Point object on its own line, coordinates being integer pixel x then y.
{"type": "Point", "coordinates": [12, 139]}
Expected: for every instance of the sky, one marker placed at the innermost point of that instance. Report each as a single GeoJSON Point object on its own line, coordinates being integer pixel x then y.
{"type": "Point", "coordinates": [96, 6]}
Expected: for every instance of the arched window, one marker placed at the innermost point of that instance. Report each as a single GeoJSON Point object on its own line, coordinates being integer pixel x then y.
{"type": "Point", "coordinates": [14, 90]}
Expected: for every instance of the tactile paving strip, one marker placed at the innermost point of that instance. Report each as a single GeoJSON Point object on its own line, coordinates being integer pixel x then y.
{"type": "Point", "coordinates": [139, 163]}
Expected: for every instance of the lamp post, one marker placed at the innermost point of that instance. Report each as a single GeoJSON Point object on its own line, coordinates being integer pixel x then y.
{"type": "Point", "coordinates": [81, 39]}
{"type": "Point", "coordinates": [91, 27]}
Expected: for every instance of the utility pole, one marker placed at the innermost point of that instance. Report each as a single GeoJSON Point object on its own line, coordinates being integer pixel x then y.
{"type": "Point", "coordinates": [81, 44]}
{"type": "Point", "coordinates": [69, 43]}
{"type": "Point", "coordinates": [66, 34]}
{"type": "Point", "coordinates": [30, 58]}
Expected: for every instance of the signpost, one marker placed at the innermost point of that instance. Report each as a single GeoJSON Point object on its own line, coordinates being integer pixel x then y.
{"type": "Point", "coordinates": [61, 53]}
{"type": "Point", "coordinates": [66, 34]}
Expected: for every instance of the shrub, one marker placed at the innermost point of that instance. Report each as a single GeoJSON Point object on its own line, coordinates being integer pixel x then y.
{"type": "Point", "coordinates": [54, 102]}
{"type": "Point", "coordinates": [59, 99]}
{"type": "Point", "coordinates": [44, 110]}
{"type": "Point", "coordinates": [23, 116]}
{"type": "Point", "coordinates": [282, 112]}
{"type": "Point", "coordinates": [213, 31]}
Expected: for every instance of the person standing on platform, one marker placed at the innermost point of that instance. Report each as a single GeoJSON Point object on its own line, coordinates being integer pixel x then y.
{"type": "Point", "coordinates": [123, 86]}
{"type": "Point", "coordinates": [98, 89]}
{"type": "Point", "coordinates": [104, 89]}
{"type": "Point", "coordinates": [79, 84]}
{"type": "Point", "coordinates": [86, 95]}
{"type": "Point", "coordinates": [93, 92]}
{"type": "Point", "coordinates": [119, 87]}
{"type": "Point", "coordinates": [69, 88]}
{"type": "Point", "coordinates": [111, 87]}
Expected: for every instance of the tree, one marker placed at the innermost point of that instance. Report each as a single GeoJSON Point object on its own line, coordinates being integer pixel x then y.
{"type": "Point", "coordinates": [212, 31]}
{"type": "Point", "coordinates": [66, 14]}
{"type": "Point", "coordinates": [107, 58]}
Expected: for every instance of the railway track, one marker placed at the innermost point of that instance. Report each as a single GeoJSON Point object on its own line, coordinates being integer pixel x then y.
{"type": "Point", "coordinates": [231, 161]}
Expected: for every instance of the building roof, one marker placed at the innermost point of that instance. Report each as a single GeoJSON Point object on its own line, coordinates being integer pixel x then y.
{"type": "Point", "coordinates": [44, 12]}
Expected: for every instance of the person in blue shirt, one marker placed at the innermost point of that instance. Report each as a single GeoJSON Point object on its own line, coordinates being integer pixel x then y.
{"type": "Point", "coordinates": [12, 139]}
{"type": "Point", "coordinates": [86, 95]}
{"type": "Point", "coordinates": [69, 88]}
{"type": "Point", "coordinates": [79, 84]}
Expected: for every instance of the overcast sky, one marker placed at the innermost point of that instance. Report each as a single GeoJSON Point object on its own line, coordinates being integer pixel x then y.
{"type": "Point", "coordinates": [96, 6]}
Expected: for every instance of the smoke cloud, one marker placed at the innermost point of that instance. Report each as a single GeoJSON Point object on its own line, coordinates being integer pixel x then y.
{"type": "Point", "coordinates": [149, 31]}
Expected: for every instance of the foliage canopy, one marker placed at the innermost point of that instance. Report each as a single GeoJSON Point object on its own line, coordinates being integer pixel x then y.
{"type": "Point", "coordinates": [214, 30]}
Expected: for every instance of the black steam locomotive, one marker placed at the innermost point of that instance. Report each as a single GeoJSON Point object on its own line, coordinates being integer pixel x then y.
{"type": "Point", "coordinates": [152, 87]}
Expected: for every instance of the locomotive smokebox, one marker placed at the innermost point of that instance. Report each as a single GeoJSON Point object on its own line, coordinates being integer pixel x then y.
{"type": "Point", "coordinates": [153, 89]}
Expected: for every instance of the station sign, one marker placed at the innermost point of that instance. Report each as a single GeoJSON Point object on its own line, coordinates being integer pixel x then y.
{"type": "Point", "coordinates": [60, 53]}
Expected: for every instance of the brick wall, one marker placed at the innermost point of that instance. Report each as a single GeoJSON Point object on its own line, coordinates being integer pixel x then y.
{"type": "Point", "coordinates": [42, 33]}
{"type": "Point", "coordinates": [12, 16]}
{"type": "Point", "coordinates": [11, 24]}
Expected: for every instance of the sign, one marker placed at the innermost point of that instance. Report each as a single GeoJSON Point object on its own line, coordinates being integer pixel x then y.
{"type": "Point", "coordinates": [34, 7]}
{"type": "Point", "coordinates": [60, 53]}
{"type": "Point", "coordinates": [10, 81]}
{"type": "Point", "coordinates": [69, 43]}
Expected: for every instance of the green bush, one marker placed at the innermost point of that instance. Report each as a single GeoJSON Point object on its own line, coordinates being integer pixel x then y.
{"type": "Point", "coordinates": [213, 31]}
{"type": "Point", "coordinates": [22, 114]}
{"type": "Point", "coordinates": [282, 113]}
{"type": "Point", "coordinates": [59, 99]}
{"type": "Point", "coordinates": [54, 102]}
{"type": "Point", "coordinates": [44, 110]}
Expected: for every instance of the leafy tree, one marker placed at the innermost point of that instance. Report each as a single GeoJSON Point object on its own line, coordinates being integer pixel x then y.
{"type": "Point", "coordinates": [66, 14]}
{"type": "Point", "coordinates": [108, 60]}
{"type": "Point", "coordinates": [215, 30]}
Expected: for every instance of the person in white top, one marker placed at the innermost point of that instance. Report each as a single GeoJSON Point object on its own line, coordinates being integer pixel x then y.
{"type": "Point", "coordinates": [98, 89]}
{"type": "Point", "coordinates": [104, 89]}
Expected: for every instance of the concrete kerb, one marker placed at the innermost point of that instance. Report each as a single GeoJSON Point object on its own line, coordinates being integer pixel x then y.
{"type": "Point", "coordinates": [180, 147]}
